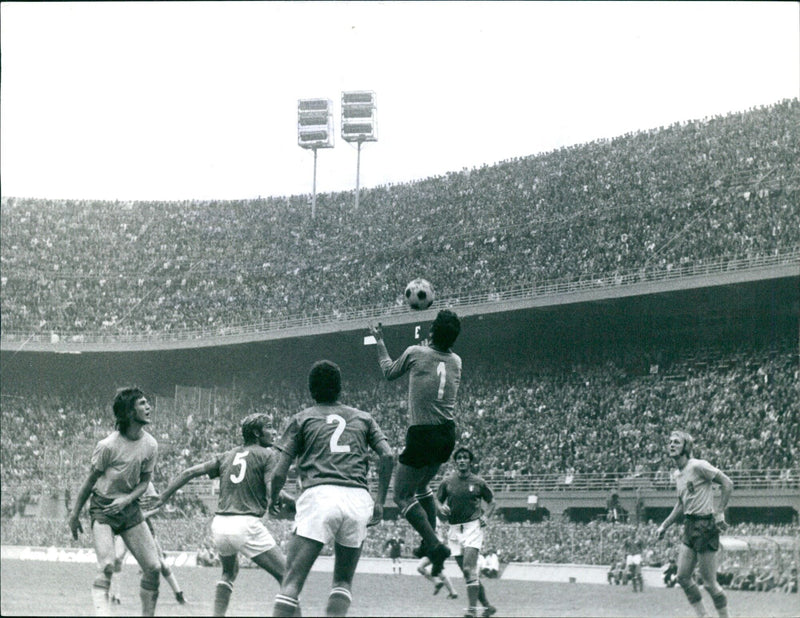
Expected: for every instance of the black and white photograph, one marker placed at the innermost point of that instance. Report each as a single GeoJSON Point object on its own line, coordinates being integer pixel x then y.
{"type": "Point", "coordinates": [400, 308]}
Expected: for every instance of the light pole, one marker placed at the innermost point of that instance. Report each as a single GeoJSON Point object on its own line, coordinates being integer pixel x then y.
{"type": "Point", "coordinates": [314, 131]}
{"type": "Point", "coordinates": [359, 124]}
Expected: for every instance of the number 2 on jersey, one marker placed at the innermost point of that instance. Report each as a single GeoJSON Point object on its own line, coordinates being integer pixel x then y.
{"type": "Point", "coordinates": [441, 371]}
{"type": "Point", "coordinates": [239, 460]}
{"type": "Point", "coordinates": [337, 433]}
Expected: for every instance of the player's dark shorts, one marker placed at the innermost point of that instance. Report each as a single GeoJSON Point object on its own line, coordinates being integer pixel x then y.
{"type": "Point", "coordinates": [394, 554]}
{"type": "Point", "coordinates": [700, 533]}
{"type": "Point", "coordinates": [126, 519]}
{"type": "Point", "coordinates": [428, 444]}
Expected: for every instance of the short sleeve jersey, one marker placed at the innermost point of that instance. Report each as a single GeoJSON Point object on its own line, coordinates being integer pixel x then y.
{"type": "Point", "coordinates": [331, 444]}
{"type": "Point", "coordinates": [122, 463]}
{"type": "Point", "coordinates": [394, 546]}
{"type": "Point", "coordinates": [463, 496]}
{"type": "Point", "coordinates": [695, 489]}
{"type": "Point", "coordinates": [242, 485]}
{"type": "Point", "coordinates": [433, 381]}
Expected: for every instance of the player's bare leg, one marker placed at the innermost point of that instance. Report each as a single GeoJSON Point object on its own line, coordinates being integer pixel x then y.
{"type": "Point", "coordinates": [273, 562]}
{"type": "Point", "coordinates": [142, 546]}
{"type": "Point", "coordinates": [104, 549]}
{"type": "Point", "coordinates": [409, 482]}
{"type": "Point", "coordinates": [224, 588]}
{"type": "Point", "coordinates": [344, 567]}
{"type": "Point", "coordinates": [168, 575]}
{"type": "Point", "coordinates": [469, 566]}
{"type": "Point", "coordinates": [707, 565]}
{"type": "Point", "coordinates": [115, 590]}
{"type": "Point", "coordinates": [300, 558]}
{"type": "Point", "coordinates": [687, 560]}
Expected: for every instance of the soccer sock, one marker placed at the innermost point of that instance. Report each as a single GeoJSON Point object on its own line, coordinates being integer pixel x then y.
{"type": "Point", "coordinates": [448, 584]}
{"type": "Point", "coordinates": [114, 588]}
{"type": "Point", "coordinates": [222, 596]}
{"type": "Point", "coordinates": [472, 595]}
{"type": "Point", "coordinates": [720, 603]}
{"type": "Point", "coordinates": [338, 602]}
{"type": "Point", "coordinates": [171, 579]}
{"type": "Point", "coordinates": [148, 592]}
{"type": "Point", "coordinates": [428, 505]}
{"type": "Point", "coordinates": [695, 599]}
{"type": "Point", "coordinates": [285, 606]}
{"type": "Point", "coordinates": [482, 594]}
{"type": "Point", "coordinates": [100, 595]}
{"type": "Point", "coordinates": [149, 599]}
{"type": "Point", "coordinates": [418, 519]}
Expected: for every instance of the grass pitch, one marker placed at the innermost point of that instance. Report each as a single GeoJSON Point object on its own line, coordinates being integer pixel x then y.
{"type": "Point", "coordinates": [62, 589]}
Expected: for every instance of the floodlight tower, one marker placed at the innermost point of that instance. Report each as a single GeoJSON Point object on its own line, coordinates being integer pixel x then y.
{"type": "Point", "coordinates": [315, 130]}
{"type": "Point", "coordinates": [359, 123]}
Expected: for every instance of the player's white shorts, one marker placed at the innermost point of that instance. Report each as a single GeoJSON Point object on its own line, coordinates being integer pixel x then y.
{"type": "Point", "coordinates": [633, 559]}
{"type": "Point", "coordinates": [469, 534]}
{"type": "Point", "coordinates": [245, 534]}
{"type": "Point", "coordinates": [334, 512]}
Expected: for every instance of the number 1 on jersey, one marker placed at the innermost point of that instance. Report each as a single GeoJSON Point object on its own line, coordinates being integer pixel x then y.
{"type": "Point", "coordinates": [441, 371]}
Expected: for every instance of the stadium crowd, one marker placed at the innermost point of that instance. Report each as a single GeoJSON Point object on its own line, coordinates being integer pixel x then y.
{"type": "Point", "coordinates": [583, 420]}
{"type": "Point", "coordinates": [615, 210]}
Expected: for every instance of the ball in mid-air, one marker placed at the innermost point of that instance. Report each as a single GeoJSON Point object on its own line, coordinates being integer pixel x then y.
{"type": "Point", "coordinates": [419, 294]}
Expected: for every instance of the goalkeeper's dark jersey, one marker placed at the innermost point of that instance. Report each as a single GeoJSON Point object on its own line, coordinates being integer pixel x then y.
{"type": "Point", "coordinates": [242, 486]}
{"type": "Point", "coordinates": [331, 444]}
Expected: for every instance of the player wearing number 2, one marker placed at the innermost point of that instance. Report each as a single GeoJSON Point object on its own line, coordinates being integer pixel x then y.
{"type": "Point", "coordinates": [331, 443]}
{"type": "Point", "coordinates": [434, 377]}
{"type": "Point", "coordinates": [244, 474]}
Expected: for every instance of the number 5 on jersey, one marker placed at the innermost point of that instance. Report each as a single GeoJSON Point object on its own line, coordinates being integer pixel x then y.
{"type": "Point", "coordinates": [239, 460]}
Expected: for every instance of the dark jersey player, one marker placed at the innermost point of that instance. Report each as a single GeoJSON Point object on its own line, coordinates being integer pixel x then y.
{"type": "Point", "coordinates": [395, 547]}
{"type": "Point", "coordinates": [331, 443]}
{"type": "Point", "coordinates": [244, 474]}
{"type": "Point", "coordinates": [434, 377]}
{"type": "Point", "coordinates": [459, 498]}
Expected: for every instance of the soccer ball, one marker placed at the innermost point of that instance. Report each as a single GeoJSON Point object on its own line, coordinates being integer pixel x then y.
{"type": "Point", "coordinates": [419, 294]}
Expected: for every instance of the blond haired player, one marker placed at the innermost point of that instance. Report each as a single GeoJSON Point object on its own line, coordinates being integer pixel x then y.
{"type": "Point", "coordinates": [695, 479]}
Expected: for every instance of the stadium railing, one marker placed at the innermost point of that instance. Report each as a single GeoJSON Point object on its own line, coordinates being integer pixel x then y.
{"type": "Point", "coordinates": [532, 483]}
{"type": "Point", "coordinates": [465, 300]}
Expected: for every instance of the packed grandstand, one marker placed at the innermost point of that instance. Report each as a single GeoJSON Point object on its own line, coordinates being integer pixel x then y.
{"type": "Point", "coordinates": [614, 211]}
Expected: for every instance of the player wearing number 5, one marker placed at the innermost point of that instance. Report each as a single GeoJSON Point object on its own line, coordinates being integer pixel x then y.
{"type": "Point", "coordinates": [244, 474]}
{"type": "Point", "coordinates": [434, 377]}
{"type": "Point", "coordinates": [331, 443]}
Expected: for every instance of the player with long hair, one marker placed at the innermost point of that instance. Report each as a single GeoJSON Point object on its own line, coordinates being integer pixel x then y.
{"type": "Point", "coordinates": [122, 466]}
{"type": "Point", "coordinates": [702, 522]}
{"type": "Point", "coordinates": [434, 377]}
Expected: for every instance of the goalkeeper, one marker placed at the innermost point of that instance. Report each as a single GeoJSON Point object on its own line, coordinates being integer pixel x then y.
{"type": "Point", "coordinates": [695, 479]}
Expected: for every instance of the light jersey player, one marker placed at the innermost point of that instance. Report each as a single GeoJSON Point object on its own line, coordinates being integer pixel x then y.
{"type": "Point", "coordinates": [331, 443]}
{"type": "Point", "coordinates": [237, 528]}
{"type": "Point", "coordinates": [458, 501]}
{"type": "Point", "coordinates": [434, 377]}
{"type": "Point", "coordinates": [694, 479]}
{"type": "Point", "coordinates": [122, 467]}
